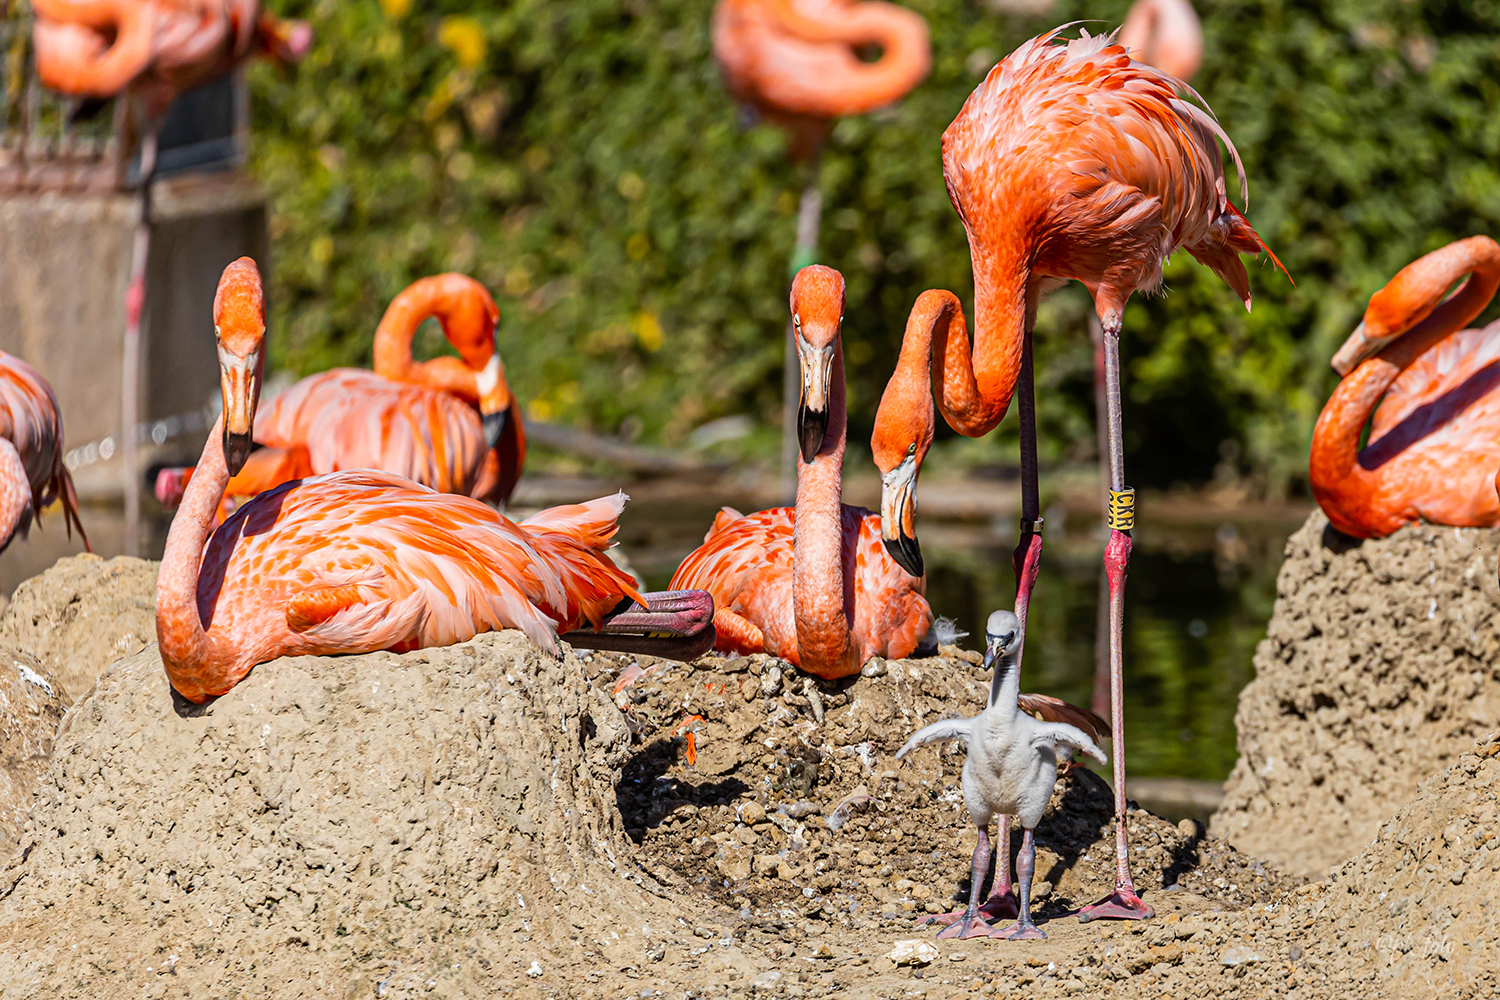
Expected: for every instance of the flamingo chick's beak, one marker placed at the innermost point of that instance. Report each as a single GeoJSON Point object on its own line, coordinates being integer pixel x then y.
{"type": "Point", "coordinates": [1358, 348]}
{"type": "Point", "coordinates": [812, 414]}
{"type": "Point", "coordinates": [494, 400]}
{"type": "Point", "coordinates": [239, 379]}
{"type": "Point", "coordinates": [898, 514]}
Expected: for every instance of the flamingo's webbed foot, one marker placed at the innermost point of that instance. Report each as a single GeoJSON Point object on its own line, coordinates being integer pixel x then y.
{"type": "Point", "coordinates": [1021, 930]}
{"type": "Point", "coordinates": [1122, 904]}
{"type": "Point", "coordinates": [967, 925]}
{"type": "Point", "coordinates": [674, 625]}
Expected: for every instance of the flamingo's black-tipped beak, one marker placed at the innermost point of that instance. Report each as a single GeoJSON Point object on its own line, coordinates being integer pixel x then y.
{"type": "Point", "coordinates": [898, 515]}
{"type": "Point", "coordinates": [494, 426]}
{"type": "Point", "coordinates": [812, 428]}
{"type": "Point", "coordinates": [812, 415]}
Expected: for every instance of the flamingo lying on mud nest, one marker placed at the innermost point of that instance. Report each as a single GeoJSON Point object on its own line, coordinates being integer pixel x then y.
{"type": "Point", "coordinates": [1011, 768]}
{"type": "Point", "coordinates": [1068, 161]}
{"type": "Point", "coordinates": [32, 474]}
{"type": "Point", "coordinates": [779, 577]}
{"type": "Point", "coordinates": [449, 423]}
{"type": "Point", "coordinates": [352, 562]}
{"type": "Point", "coordinates": [1434, 389]}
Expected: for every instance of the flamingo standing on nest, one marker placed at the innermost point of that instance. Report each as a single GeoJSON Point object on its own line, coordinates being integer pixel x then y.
{"type": "Point", "coordinates": [352, 562]}
{"type": "Point", "coordinates": [1434, 448]}
{"type": "Point", "coordinates": [32, 474]}
{"type": "Point", "coordinates": [1068, 161]}
{"type": "Point", "coordinates": [448, 423]}
{"type": "Point", "coordinates": [796, 62]}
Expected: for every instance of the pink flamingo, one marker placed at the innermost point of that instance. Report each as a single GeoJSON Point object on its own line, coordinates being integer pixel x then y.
{"type": "Point", "coordinates": [32, 474]}
{"type": "Point", "coordinates": [357, 561]}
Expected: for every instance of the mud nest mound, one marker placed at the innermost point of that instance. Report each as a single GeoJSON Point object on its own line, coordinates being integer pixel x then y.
{"type": "Point", "coordinates": [375, 825]}
{"type": "Point", "coordinates": [798, 816]}
{"type": "Point", "coordinates": [1380, 665]}
{"type": "Point", "coordinates": [30, 709]}
{"type": "Point", "coordinates": [81, 615]}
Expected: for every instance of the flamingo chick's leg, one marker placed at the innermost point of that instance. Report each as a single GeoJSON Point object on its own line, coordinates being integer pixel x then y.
{"type": "Point", "coordinates": [674, 624]}
{"type": "Point", "coordinates": [1002, 902]}
{"type": "Point", "coordinates": [1024, 929]}
{"type": "Point", "coordinates": [971, 924]}
{"type": "Point", "coordinates": [1124, 903]}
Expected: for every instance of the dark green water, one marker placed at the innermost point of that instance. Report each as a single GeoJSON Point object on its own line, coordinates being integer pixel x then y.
{"type": "Point", "coordinates": [1197, 602]}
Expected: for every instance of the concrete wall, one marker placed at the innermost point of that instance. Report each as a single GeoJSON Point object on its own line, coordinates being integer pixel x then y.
{"type": "Point", "coordinates": [64, 264]}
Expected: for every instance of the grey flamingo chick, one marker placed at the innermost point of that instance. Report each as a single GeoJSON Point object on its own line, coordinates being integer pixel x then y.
{"type": "Point", "coordinates": [1010, 771]}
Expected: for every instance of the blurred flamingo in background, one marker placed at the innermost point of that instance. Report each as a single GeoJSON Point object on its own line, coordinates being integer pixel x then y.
{"type": "Point", "coordinates": [1069, 161]}
{"type": "Point", "coordinates": [155, 50]}
{"type": "Point", "coordinates": [1434, 448]}
{"type": "Point", "coordinates": [32, 474]}
{"type": "Point", "coordinates": [358, 561]}
{"type": "Point", "coordinates": [797, 63]}
{"type": "Point", "coordinates": [1165, 34]}
{"type": "Point", "coordinates": [449, 423]}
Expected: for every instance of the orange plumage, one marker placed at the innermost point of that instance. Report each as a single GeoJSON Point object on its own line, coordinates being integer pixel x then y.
{"type": "Point", "coordinates": [425, 421]}
{"type": "Point", "coordinates": [1434, 447]}
{"type": "Point", "coordinates": [355, 561]}
{"type": "Point", "coordinates": [811, 584]}
{"type": "Point", "coordinates": [796, 61]}
{"type": "Point", "coordinates": [32, 474]}
{"type": "Point", "coordinates": [98, 48]}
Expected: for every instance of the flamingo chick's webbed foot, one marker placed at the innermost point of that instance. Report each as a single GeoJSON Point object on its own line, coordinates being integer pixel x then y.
{"type": "Point", "coordinates": [1024, 929]}
{"type": "Point", "coordinates": [674, 625]}
{"type": "Point", "coordinates": [970, 924]}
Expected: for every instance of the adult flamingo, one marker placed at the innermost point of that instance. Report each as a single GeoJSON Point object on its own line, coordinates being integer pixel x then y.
{"type": "Point", "coordinates": [779, 577]}
{"type": "Point", "coordinates": [417, 419]}
{"type": "Point", "coordinates": [1434, 448]}
{"type": "Point", "coordinates": [32, 474]}
{"type": "Point", "coordinates": [1068, 161]}
{"type": "Point", "coordinates": [796, 62]}
{"type": "Point", "coordinates": [357, 561]}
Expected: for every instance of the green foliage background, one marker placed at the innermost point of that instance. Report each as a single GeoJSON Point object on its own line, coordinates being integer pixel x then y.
{"type": "Point", "coordinates": [583, 160]}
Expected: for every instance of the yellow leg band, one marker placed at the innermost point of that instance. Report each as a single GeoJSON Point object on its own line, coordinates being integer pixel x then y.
{"type": "Point", "coordinates": [1122, 509]}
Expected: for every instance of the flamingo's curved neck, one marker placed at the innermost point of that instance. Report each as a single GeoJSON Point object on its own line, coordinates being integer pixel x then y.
{"type": "Point", "coordinates": [1338, 480]}
{"type": "Point", "coordinates": [823, 611]}
{"type": "Point", "coordinates": [974, 390]}
{"type": "Point", "coordinates": [905, 50]}
{"type": "Point", "coordinates": [179, 628]}
{"type": "Point", "coordinates": [393, 360]}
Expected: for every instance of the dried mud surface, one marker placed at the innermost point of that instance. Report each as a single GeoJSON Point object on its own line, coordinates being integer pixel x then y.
{"type": "Point", "coordinates": [1381, 663]}
{"type": "Point", "coordinates": [31, 706]}
{"type": "Point", "coordinates": [81, 615]}
{"type": "Point", "coordinates": [484, 820]}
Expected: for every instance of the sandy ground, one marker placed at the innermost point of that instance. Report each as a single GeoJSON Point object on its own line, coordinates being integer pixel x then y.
{"type": "Point", "coordinates": [485, 820]}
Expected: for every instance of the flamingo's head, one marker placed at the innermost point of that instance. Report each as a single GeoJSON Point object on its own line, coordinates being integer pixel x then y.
{"type": "Point", "coordinates": [468, 315]}
{"type": "Point", "coordinates": [904, 426]}
{"type": "Point", "coordinates": [1408, 299]}
{"type": "Point", "coordinates": [240, 328]}
{"type": "Point", "coordinates": [817, 313]}
{"type": "Point", "coordinates": [1000, 634]}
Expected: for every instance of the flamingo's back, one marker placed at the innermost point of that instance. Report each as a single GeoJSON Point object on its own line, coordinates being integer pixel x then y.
{"type": "Point", "coordinates": [29, 419]}
{"type": "Point", "coordinates": [348, 418]}
{"type": "Point", "coordinates": [745, 562]}
{"type": "Point", "coordinates": [1099, 163]}
{"type": "Point", "coordinates": [1436, 435]}
{"type": "Point", "coordinates": [364, 560]}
